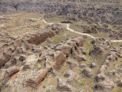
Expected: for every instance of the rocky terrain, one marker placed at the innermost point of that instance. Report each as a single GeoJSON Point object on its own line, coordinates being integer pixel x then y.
{"type": "Point", "coordinates": [60, 46]}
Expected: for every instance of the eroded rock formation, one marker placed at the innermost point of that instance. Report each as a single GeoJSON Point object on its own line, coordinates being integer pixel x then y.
{"type": "Point", "coordinates": [59, 59]}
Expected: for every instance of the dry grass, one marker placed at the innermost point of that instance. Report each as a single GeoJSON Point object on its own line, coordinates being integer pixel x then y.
{"type": "Point", "coordinates": [18, 24]}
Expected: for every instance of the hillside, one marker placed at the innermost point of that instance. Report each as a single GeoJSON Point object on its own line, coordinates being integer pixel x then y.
{"type": "Point", "coordinates": [60, 46]}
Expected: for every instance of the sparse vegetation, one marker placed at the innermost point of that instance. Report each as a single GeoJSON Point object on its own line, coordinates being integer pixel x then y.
{"type": "Point", "coordinates": [41, 39]}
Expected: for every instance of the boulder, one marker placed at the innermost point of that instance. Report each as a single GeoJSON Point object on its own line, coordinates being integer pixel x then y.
{"type": "Point", "coordinates": [100, 77]}
{"type": "Point", "coordinates": [103, 68]}
{"type": "Point", "coordinates": [22, 57]}
{"type": "Point", "coordinates": [87, 72]}
{"type": "Point", "coordinates": [9, 73]}
{"type": "Point", "coordinates": [92, 65]}
{"type": "Point", "coordinates": [59, 59]}
{"type": "Point", "coordinates": [40, 77]}
{"type": "Point", "coordinates": [66, 49]}
{"type": "Point", "coordinates": [119, 83]}
{"type": "Point", "coordinates": [103, 85]}
{"type": "Point", "coordinates": [5, 57]}
{"type": "Point", "coordinates": [72, 64]}
{"type": "Point", "coordinates": [72, 43]}
{"type": "Point", "coordinates": [70, 75]}
{"type": "Point", "coordinates": [80, 58]}
{"type": "Point", "coordinates": [63, 87]}
{"type": "Point", "coordinates": [12, 70]}
{"type": "Point", "coordinates": [25, 67]}
{"type": "Point", "coordinates": [78, 41]}
{"type": "Point", "coordinates": [96, 51]}
{"type": "Point", "coordinates": [82, 65]}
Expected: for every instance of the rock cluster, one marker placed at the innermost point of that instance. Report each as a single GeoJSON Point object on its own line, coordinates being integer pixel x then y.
{"type": "Point", "coordinates": [11, 46]}
{"type": "Point", "coordinates": [67, 49]}
{"type": "Point", "coordinates": [39, 37]}
{"type": "Point", "coordinates": [59, 59]}
{"type": "Point", "coordinates": [14, 51]}
{"type": "Point", "coordinates": [103, 82]}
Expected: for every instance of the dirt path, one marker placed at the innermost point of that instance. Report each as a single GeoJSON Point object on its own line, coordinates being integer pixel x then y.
{"type": "Point", "coordinates": [83, 34]}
